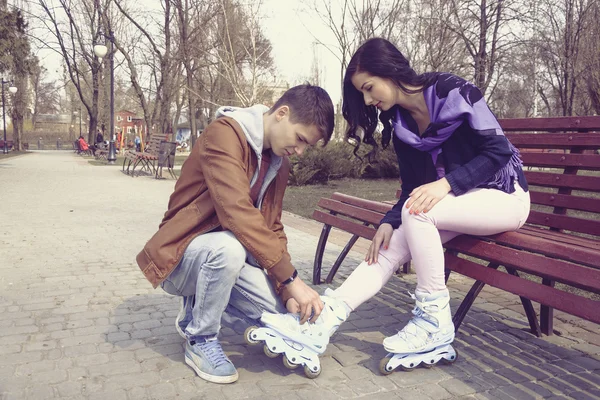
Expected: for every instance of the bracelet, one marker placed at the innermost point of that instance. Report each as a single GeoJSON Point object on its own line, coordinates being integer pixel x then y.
{"type": "Point", "coordinates": [290, 279]}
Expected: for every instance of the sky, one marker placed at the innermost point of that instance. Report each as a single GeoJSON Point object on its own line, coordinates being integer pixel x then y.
{"type": "Point", "coordinates": [292, 31]}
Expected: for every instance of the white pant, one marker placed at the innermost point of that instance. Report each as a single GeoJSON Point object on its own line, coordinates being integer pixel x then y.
{"type": "Point", "coordinates": [420, 238]}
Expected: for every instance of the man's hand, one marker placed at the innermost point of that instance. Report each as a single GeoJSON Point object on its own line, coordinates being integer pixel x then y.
{"type": "Point", "coordinates": [381, 238]}
{"type": "Point", "coordinates": [308, 300]}
{"type": "Point", "coordinates": [423, 198]}
{"type": "Point", "coordinates": [292, 306]}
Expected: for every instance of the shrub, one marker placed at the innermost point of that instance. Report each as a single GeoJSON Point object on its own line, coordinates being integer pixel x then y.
{"type": "Point", "coordinates": [337, 161]}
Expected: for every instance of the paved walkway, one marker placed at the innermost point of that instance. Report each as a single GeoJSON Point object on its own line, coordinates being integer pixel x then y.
{"type": "Point", "coordinates": [78, 320]}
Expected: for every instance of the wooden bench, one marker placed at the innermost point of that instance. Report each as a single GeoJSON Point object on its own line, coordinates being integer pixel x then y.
{"type": "Point", "coordinates": [559, 244]}
{"type": "Point", "coordinates": [101, 152]}
{"type": "Point", "coordinates": [166, 158]}
{"type": "Point", "coordinates": [9, 145]}
{"type": "Point", "coordinates": [147, 158]}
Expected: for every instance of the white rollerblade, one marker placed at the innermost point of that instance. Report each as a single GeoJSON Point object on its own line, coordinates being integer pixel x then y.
{"type": "Point", "coordinates": [300, 344]}
{"type": "Point", "coordinates": [427, 337]}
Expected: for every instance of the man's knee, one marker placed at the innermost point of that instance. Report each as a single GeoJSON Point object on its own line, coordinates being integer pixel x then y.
{"type": "Point", "coordinates": [228, 252]}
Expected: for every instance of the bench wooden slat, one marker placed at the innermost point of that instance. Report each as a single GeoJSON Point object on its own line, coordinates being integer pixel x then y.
{"type": "Point", "coordinates": [555, 124]}
{"type": "Point", "coordinates": [564, 301]}
{"type": "Point", "coordinates": [367, 204]}
{"type": "Point", "coordinates": [564, 222]}
{"type": "Point", "coordinates": [586, 278]}
{"type": "Point", "coordinates": [344, 224]}
{"type": "Point", "coordinates": [566, 201]}
{"type": "Point", "coordinates": [577, 182]}
{"type": "Point", "coordinates": [560, 160]}
{"type": "Point", "coordinates": [560, 237]}
{"type": "Point", "coordinates": [555, 140]}
{"type": "Point", "coordinates": [549, 247]}
{"type": "Point", "coordinates": [351, 211]}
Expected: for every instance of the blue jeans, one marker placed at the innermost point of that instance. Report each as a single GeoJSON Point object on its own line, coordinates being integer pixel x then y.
{"type": "Point", "coordinates": [227, 288]}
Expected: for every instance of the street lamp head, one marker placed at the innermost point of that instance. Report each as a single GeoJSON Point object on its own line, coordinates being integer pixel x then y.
{"type": "Point", "coordinates": [100, 50]}
{"type": "Point", "coordinates": [12, 89]}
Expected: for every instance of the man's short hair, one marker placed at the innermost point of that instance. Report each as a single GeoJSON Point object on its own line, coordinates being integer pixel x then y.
{"type": "Point", "coordinates": [309, 105]}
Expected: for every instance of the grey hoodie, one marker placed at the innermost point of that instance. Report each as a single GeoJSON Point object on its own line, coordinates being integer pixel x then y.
{"type": "Point", "coordinates": [251, 121]}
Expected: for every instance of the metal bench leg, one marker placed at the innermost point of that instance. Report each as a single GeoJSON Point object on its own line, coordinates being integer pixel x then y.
{"type": "Point", "coordinates": [468, 301]}
{"type": "Point", "coordinates": [528, 307]}
{"type": "Point", "coordinates": [135, 164]}
{"type": "Point", "coordinates": [341, 258]}
{"type": "Point", "coordinates": [319, 254]}
{"type": "Point", "coordinates": [172, 172]}
{"type": "Point", "coordinates": [406, 268]}
{"type": "Point", "coordinates": [547, 313]}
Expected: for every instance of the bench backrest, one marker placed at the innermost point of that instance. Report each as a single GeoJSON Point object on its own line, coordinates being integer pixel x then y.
{"type": "Point", "coordinates": [153, 146]}
{"type": "Point", "coordinates": [562, 166]}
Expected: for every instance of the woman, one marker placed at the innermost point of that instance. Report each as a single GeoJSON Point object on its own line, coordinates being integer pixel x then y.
{"type": "Point", "coordinates": [460, 175]}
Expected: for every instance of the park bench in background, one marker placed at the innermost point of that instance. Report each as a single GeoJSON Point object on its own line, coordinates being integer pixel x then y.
{"type": "Point", "coordinates": [101, 151]}
{"type": "Point", "coordinates": [559, 244]}
{"type": "Point", "coordinates": [145, 159]}
{"type": "Point", "coordinates": [166, 158]}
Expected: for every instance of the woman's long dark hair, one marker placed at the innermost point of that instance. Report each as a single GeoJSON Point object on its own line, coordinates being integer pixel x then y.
{"type": "Point", "coordinates": [377, 57]}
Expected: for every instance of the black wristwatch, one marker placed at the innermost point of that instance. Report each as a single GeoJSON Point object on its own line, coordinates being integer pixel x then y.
{"type": "Point", "coordinates": [290, 279]}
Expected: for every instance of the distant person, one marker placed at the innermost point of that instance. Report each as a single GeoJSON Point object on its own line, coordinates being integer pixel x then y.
{"type": "Point", "coordinates": [138, 143]}
{"type": "Point", "coordinates": [99, 137]}
{"type": "Point", "coordinates": [118, 144]}
{"type": "Point", "coordinates": [84, 147]}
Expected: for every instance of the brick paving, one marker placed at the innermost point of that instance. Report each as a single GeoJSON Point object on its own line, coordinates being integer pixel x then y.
{"type": "Point", "coordinates": [79, 321]}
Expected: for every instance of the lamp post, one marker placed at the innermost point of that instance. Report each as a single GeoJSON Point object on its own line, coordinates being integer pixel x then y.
{"type": "Point", "coordinates": [100, 50]}
{"type": "Point", "coordinates": [12, 89]}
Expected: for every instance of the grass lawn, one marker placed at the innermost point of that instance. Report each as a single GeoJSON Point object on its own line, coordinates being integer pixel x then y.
{"type": "Point", "coordinates": [302, 200]}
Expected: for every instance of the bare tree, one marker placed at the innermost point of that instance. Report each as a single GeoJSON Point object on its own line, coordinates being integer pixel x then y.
{"type": "Point", "coordinates": [16, 59]}
{"type": "Point", "coordinates": [561, 45]}
{"type": "Point", "coordinates": [353, 21]}
{"type": "Point", "coordinates": [160, 62]}
{"type": "Point", "coordinates": [490, 30]}
{"type": "Point", "coordinates": [72, 30]}
{"type": "Point", "coordinates": [46, 96]}
{"type": "Point", "coordinates": [243, 52]}
{"type": "Point", "coordinates": [589, 97]}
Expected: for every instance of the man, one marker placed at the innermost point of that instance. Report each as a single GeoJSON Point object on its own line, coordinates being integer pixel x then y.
{"type": "Point", "coordinates": [221, 245]}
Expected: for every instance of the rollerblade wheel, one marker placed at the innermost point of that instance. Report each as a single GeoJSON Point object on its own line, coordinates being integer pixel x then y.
{"type": "Point", "coordinates": [383, 366]}
{"type": "Point", "coordinates": [310, 373]}
{"type": "Point", "coordinates": [289, 364]}
{"type": "Point", "coordinates": [452, 358]}
{"type": "Point", "coordinates": [269, 353]}
{"type": "Point", "coordinates": [248, 335]}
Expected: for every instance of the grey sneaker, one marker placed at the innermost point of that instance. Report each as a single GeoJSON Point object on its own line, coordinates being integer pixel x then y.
{"type": "Point", "coordinates": [207, 358]}
{"type": "Point", "coordinates": [185, 315]}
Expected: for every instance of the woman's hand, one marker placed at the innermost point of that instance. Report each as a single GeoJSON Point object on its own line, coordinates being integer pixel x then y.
{"type": "Point", "coordinates": [423, 198]}
{"type": "Point", "coordinates": [381, 238]}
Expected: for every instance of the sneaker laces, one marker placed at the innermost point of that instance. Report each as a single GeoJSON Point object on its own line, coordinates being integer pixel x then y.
{"type": "Point", "coordinates": [214, 352]}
